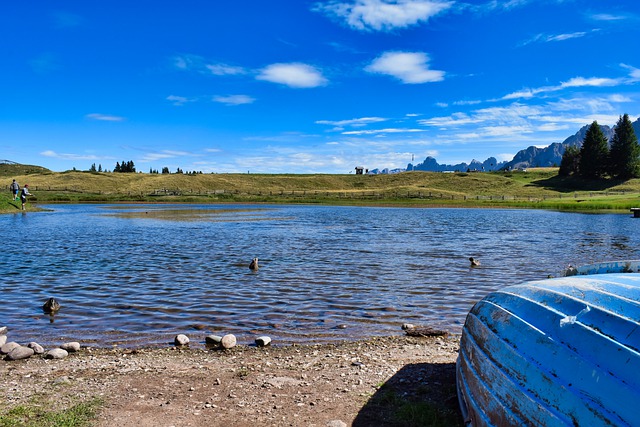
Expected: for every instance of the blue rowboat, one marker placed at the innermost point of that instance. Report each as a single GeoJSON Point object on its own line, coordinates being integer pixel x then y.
{"type": "Point", "coordinates": [555, 352]}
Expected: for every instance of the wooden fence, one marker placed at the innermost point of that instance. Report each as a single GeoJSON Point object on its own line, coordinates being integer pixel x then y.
{"type": "Point", "coordinates": [364, 195]}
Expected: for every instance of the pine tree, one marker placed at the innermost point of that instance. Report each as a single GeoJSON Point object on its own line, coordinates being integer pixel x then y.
{"type": "Point", "coordinates": [594, 154]}
{"type": "Point", "coordinates": [624, 157]}
{"type": "Point", "coordinates": [570, 160]}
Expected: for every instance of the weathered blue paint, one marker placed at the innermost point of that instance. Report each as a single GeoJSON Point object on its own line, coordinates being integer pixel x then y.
{"type": "Point", "coordinates": [555, 352]}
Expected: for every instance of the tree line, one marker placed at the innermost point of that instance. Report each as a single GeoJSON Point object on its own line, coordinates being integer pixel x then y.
{"type": "Point", "coordinates": [596, 159]}
{"type": "Point", "coordinates": [129, 166]}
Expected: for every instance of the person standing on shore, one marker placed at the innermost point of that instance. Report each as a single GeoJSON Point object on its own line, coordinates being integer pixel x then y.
{"type": "Point", "coordinates": [14, 187]}
{"type": "Point", "coordinates": [24, 194]}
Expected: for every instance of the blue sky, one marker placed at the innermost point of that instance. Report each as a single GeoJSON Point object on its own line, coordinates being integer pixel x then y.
{"type": "Point", "coordinates": [295, 86]}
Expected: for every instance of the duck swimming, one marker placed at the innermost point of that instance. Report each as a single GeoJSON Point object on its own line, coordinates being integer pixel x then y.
{"type": "Point", "coordinates": [51, 306]}
{"type": "Point", "coordinates": [254, 264]}
{"type": "Point", "coordinates": [474, 262]}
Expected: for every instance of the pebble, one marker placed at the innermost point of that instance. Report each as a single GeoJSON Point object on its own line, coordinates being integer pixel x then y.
{"type": "Point", "coordinates": [181, 339]}
{"type": "Point", "coordinates": [213, 340]}
{"type": "Point", "coordinates": [19, 353]}
{"type": "Point", "coordinates": [56, 353]}
{"type": "Point", "coordinates": [71, 347]}
{"type": "Point", "coordinates": [228, 341]}
{"type": "Point", "coordinates": [37, 348]}
{"type": "Point", "coordinates": [336, 423]}
{"type": "Point", "coordinates": [7, 347]}
{"type": "Point", "coordinates": [263, 341]}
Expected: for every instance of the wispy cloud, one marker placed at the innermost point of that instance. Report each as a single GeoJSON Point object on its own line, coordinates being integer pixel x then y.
{"type": "Point", "coordinates": [295, 75]}
{"type": "Point", "coordinates": [179, 100]}
{"type": "Point", "coordinates": [575, 82]}
{"type": "Point", "coordinates": [199, 64]}
{"type": "Point", "coordinates": [161, 155]}
{"type": "Point", "coordinates": [408, 67]}
{"type": "Point", "coordinates": [225, 69]}
{"type": "Point", "coordinates": [104, 117]}
{"type": "Point", "coordinates": [234, 99]}
{"type": "Point", "coordinates": [547, 38]}
{"type": "Point", "coordinates": [70, 156]}
{"type": "Point", "coordinates": [607, 17]}
{"type": "Point", "coordinates": [362, 121]}
{"type": "Point", "coordinates": [381, 131]}
{"type": "Point", "coordinates": [383, 15]}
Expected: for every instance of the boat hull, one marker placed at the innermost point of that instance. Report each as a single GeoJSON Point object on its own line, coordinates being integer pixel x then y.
{"type": "Point", "coordinates": [563, 351]}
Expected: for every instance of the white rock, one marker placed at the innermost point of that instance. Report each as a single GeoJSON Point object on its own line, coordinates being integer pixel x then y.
{"type": "Point", "coordinates": [3, 330]}
{"type": "Point", "coordinates": [3, 340]}
{"type": "Point", "coordinates": [336, 423]}
{"type": "Point", "coordinates": [263, 341]}
{"type": "Point", "coordinates": [181, 339]}
{"type": "Point", "coordinates": [406, 326]}
{"type": "Point", "coordinates": [20, 352]}
{"type": "Point", "coordinates": [228, 341]}
{"type": "Point", "coordinates": [56, 353]}
{"type": "Point", "coordinates": [213, 340]}
{"type": "Point", "coordinates": [7, 347]}
{"type": "Point", "coordinates": [71, 347]}
{"type": "Point", "coordinates": [37, 348]}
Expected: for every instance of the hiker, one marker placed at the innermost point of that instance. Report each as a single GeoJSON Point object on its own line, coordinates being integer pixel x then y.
{"type": "Point", "coordinates": [24, 194]}
{"type": "Point", "coordinates": [14, 187]}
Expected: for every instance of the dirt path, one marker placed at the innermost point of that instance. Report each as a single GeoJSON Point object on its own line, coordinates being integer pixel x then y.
{"type": "Point", "coordinates": [380, 382]}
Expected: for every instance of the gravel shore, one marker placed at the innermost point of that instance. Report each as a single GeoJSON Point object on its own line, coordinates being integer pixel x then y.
{"type": "Point", "coordinates": [376, 382]}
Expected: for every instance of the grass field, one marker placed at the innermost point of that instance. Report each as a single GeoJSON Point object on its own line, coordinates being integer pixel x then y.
{"type": "Point", "coordinates": [536, 188]}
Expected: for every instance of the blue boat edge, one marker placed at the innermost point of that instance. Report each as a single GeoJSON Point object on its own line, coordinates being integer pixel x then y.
{"type": "Point", "coordinates": [501, 381]}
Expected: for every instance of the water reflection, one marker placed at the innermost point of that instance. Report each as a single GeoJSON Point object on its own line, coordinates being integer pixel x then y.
{"type": "Point", "coordinates": [138, 274]}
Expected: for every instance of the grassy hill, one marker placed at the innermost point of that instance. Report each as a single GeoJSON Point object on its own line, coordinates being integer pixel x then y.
{"type": "Point", "coordinates": [541, 188]}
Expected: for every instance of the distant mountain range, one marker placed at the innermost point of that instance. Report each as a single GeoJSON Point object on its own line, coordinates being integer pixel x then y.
{"type": "Point", "coordinates": [529, 157]}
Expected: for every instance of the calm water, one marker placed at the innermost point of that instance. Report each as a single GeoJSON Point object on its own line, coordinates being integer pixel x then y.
{"type": "Point", "coordinates": [139, 274]}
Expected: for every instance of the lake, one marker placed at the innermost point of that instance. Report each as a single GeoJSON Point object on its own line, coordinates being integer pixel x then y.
{"type": "Point", "coordinates": [137, 275]}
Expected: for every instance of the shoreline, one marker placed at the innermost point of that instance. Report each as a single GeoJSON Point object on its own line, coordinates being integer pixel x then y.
{"type": "Point", "coordinates": [357, 383]}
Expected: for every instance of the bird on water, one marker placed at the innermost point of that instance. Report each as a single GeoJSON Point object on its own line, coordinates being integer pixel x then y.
{"type": "Point", "coordinates": [254, 264]}
{"type": "Point", "coordinates": [474, 262]}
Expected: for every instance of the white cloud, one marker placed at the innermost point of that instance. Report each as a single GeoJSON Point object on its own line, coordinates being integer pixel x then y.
{"type": "Point", "coordinates": [164, 154]}
{"type": "Point", "coordinates": [69, 156]}
{"type": "Point", "coordinates": [179, 100]}
{"type": "Point", "coordinates": [363, 121]}
{"type": "Point", "coordinates": [234, 99]}
{"type": "Point", "coordinates": [575, 82]}
{"type": "Point", "coordinates": [408, 67]}
{"type": "Point", "coordinates": [634, 73]}
{"type": "Point", "coordinates": [224, 69]}
{"type": "Point", "coordinates": [592, 81]}
{"type": "Point", "coordinates": [104, 117]}
{"type": "Point", "coordinates": [295, 75]}
{"type": "Point", "coordinates": [607, 17]}
{"type": "Point", "coordinates": [384, 15]}
{"type": "Point", "coordinates": [546, 38]}
{"type": "Point", "coordinates": [381, 131]}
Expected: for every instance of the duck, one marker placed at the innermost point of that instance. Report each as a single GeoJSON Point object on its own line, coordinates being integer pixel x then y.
{"type": "Point", "coordinates": [254, 264]}
{"type": "Point", "coordinates": [474, 262]}
{"type": "Point", "coordinates": [571, 271]}
{"type": "Point", "coordinates": [51, 306]}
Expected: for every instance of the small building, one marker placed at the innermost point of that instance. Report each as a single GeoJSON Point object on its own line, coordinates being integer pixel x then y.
{"type": "Point", "coordinates": [359, 170]}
